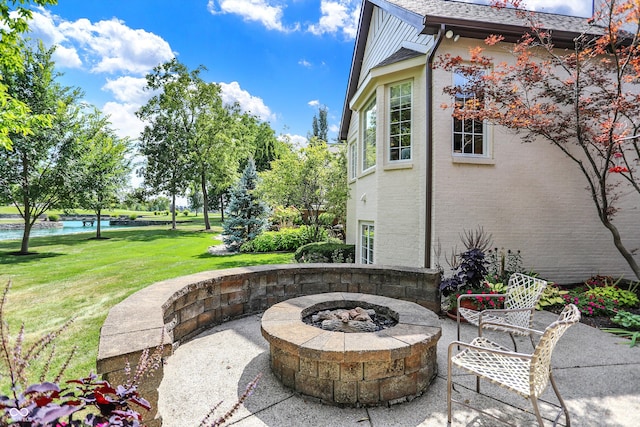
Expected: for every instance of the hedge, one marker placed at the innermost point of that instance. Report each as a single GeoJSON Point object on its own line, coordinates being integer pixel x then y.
{"type": "Point", "coordinates": [326, 252]}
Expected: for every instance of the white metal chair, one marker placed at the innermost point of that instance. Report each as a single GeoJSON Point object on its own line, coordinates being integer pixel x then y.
{"type": "Point", "coordinates": [520, 299]}
{"type": "Point", "coordinates": [525, 374]}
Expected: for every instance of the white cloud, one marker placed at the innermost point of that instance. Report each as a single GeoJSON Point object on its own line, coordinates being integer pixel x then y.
{"type": "Point", "coordinates": [105, 46]}
{"type": "Point", "coordinates": [305, 63]}
{"type": "Point", "coordinates": [232, 92]}
{"type": "Point", "coordinates": [337, 15]}
{"type": "Point", "coordinates": [67, 57]}
{"type": "Point", "coordinates": [313, 103]}
{"type": "Point", "coordinates": [571, 8]}
{"type": "Point", "coordinates": [123, 118]}
{"type": "Point", "coordinates": [296, 141]}
{"type": "Point", "coordinates": [252, 10]}
{"type": "Point", "coordinates": [128, 89]}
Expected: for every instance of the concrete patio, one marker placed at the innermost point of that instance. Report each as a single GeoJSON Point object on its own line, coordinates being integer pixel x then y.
{"type": "Point", "coordinates": [598, 377]}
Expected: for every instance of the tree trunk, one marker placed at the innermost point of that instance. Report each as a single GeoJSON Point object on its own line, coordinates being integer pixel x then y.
{"type": "Point", "coordinates": [173, 211]}
{"type": "Point", "coordinates": [205, 199]}
{"type": "Point", "coordinates": [221, 206]}
{"type": "Point", "coordinates": [24, 247]}
{"type": "Point", "coordinates": [617, 241]}
{"type": "Point", "coordinates": [98, 215]}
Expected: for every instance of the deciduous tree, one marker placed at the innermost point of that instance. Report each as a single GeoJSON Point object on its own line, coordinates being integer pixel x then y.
{"type": "Point", "coordinates": [300, 179]}
{"type": "Point", "coordinates": [103, 166]}
{"type": "Point", "coordinates": [585, 101]}
{"type": "Point", "coordinates": [189, 118]}
{"type": "Point", "coordinates": [38, 173]}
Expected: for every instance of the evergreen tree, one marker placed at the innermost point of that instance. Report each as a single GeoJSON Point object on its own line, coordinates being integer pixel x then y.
{"type": "Point", "coordinates": [246, 214]}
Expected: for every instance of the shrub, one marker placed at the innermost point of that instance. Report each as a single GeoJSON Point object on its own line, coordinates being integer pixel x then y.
{"type": "Point", "coordinates": [624, 298]}
{"type": "Point", "coordinates": [53, 217]}
{"type": "Point", "coordinates": [286, 217]}
{"type": "Point", "coordinates": [185, 212]}
{"type": "Point", "coordinates": [628, 320]}
{"type": "Point", "coordinates": [325, 252]}
{"type": "Point", "coordinates": [133, 217]}
{"type": "Point", "coordinates": [326, 219]}
{"type": "Point", "coordinates": [600, 300]}
{"type": "Point", "coordinates": [287, 239]}
{"type": "Point", "coordinates": [468, 275]}
{"type": "Point", "coordinates": [552, 295]}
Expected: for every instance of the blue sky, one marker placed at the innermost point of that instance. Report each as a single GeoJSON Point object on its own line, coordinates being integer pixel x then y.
{"type": "Point", "coordinates": [279, 59]}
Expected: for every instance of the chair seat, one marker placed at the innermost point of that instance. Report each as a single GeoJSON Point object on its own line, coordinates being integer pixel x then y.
{"type": "Point", "coordinates": [510, 372]}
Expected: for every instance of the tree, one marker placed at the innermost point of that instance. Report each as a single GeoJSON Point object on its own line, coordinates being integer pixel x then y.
{"type": "Point", "coordinates": [15, 115]}
{"type": "Point", "coordinates": [195, 198]}
{"type": "Point", "coordinates": [103, 165]}
{"type": "Point", "coordinates": [164, 141]}
{"type": "Point", "coordinates": [39, 172]}
{"type": "Point", "coordinates": [319, 126]}
{"type": "Point", "coordinates": [300, 179]}
{"type": "Point", "coordinates": [189, 115]}
{"type": "Point", "coordinates": [585, 101]}
{"type": "Point", "coordinates": [266, 147]}
{"type": "Point", "coordinates": [246, 214]}
{"type": "Point", "coordinates": [337, 185]}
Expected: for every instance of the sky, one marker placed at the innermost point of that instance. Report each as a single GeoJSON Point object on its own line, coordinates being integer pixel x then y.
{"type": "Point", "coordinates": [280, 60]}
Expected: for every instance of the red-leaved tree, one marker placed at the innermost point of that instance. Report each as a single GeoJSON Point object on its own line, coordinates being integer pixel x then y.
{"type": "Point", "coordinates": [585, 100]}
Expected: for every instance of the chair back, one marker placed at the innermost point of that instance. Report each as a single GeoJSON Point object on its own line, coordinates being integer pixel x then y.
{"type": "Point", "coordinates": [523, 292]}
{"type": "Point", "coordinates": [541, 361]}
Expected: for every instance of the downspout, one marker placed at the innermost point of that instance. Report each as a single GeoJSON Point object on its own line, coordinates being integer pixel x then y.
{"type": "Point", "coordinates": [429, 149]}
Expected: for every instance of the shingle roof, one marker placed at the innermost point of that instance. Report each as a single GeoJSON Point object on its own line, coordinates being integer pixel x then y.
{"type": "Point", "coordinates": [400, 55]}
{"type": "Point", "coordinates": [439, 11]}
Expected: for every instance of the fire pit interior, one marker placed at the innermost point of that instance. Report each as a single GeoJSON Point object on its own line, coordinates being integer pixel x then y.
{"type": "Point", "coordinates": [393, 363]}
{"type": "Point", "coordinates": [352, 316]}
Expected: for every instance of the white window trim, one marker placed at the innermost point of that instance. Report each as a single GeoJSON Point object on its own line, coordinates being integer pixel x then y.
{"type": "Point", "coordinates": [371, 101]}
{"type": "Point", "coordinates": [362, 247]}
{"type": "Point", "coordinates": [487, 142]}
{"type": "Point", "coordinates": [388, 124]}
{"type": "Point", "coordinates": [353, 161]}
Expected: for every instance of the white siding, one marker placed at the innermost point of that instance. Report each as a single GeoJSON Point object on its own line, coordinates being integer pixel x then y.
{"type": "Point", "coordinates": [533, 199]}
{"type": "Point", "coordinates": [386, 35]}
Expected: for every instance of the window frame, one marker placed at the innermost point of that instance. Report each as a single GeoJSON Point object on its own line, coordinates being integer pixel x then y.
{"type": "Point", "coordinates": [390, 124]}
{"type": "Point", "coordinates": [460, 126]}
{"type": "Point", "coordinates": [367, 132]}
{"type": "Point", "coordinates": [367, 242]}
{"type": "Point", "coordinates": [353, 160]}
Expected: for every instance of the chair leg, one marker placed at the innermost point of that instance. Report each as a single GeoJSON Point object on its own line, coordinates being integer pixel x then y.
{"type": "Point", "coordinates": [562, 404]}
{"type": "Point", "coordinates": [513, 340]}
{"type": "Point", "coordinates": [534, 402]}
{"type": "Point", "coordinates": [449, 387]}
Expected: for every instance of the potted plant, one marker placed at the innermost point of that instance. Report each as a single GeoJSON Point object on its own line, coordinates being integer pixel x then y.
{"type": "Point", "coordinates": [469, 278]}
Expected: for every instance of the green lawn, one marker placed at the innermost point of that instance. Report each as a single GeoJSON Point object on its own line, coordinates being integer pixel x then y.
{"type": "Point", "coordinates": [76, 276]}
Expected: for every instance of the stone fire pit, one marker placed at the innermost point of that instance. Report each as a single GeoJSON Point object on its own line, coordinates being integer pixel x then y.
{"type": "Point", "coordinates": [353, 369]}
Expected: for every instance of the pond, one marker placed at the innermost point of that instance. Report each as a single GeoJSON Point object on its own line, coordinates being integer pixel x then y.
{"type": "Point", "coordinates": [68, 227]}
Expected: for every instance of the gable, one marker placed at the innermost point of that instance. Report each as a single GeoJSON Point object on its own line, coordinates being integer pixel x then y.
{"type": "Point", "coordinates": [384, 24]}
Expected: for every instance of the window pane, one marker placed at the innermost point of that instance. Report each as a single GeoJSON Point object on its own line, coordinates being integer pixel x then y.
{"type": "Point", "coordinates": [400, 121]}
{"type": "Point", "coordinates": [369, 136]}
{"type": "Point", "coordinates": [468, 134]}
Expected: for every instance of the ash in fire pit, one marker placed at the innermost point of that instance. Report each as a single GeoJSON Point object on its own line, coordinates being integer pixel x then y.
{"type": "Point", "coordinates": [356, 319]}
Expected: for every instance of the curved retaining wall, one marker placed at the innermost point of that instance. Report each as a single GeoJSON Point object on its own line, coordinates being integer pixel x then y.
{"type": "Point", "coordinates": [185, 306]}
